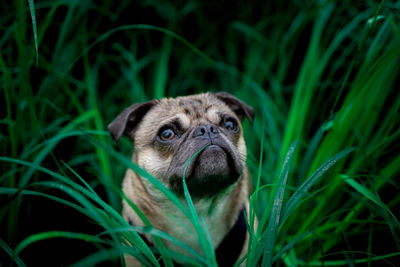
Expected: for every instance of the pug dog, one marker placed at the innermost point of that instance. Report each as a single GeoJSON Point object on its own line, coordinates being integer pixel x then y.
{"type": "Point", "coordinates": [167, 133]}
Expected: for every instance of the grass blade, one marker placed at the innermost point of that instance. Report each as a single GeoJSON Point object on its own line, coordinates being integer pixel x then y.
{"type": "Point", "coordinates": [302, 190]}
{"type": "Point", "coordinates": [55, 234]}
{"type": "Point", "coordinates": [98, 257]}
{"type": "Point", "coordinates": [12, 254]}
{"type": "Point", "coordinates": [290, 245]}
{"type": "Point", "coordinates": [9, 191]}
{"type": "Point", "coordinates": [271, 231]}
{"type": "Point", "coordinates": [254, 198]}
{"type": "Point", "coordinates": [50, 146]}
{"type": "Point", "coordinates": [79, 177]}
{"type": "Point", "coordinates": [365, 192]}
{"type": "Point", "coordinates": [391, 220]}
{"type": "Point", "coordinates": [160, 79]}
{"type": "Point", "coordinates": [34, 26]}
{"type": "Point", "coordinates": [204, 242]}
{"type": "Point", "coordinates": [142, 27]}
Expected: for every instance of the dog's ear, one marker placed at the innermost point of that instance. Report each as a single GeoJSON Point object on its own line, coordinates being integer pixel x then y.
{"type": "Point", "coordinates": [240, 108]}
{"type": "Point", "coordinates": [126, 122]}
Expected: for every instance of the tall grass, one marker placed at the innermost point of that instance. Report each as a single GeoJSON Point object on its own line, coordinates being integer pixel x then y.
{"type": "Point", "coordinates": [323, 77]}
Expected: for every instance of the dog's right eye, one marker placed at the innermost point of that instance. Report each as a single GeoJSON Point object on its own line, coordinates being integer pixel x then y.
{"type": "Point", "coordinates": [167, 134]}
{"type": "Point", "coordinates": [231, 125]}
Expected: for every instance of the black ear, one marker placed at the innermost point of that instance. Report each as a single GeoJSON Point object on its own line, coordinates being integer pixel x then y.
{"type": "Point", "coordinates": [126, 122]}
{"type": "Point", "coordinates": [240, 108]}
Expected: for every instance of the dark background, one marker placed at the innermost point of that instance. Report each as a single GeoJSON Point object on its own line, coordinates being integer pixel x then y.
{"type": "Point", "coordinates": [217, 29]}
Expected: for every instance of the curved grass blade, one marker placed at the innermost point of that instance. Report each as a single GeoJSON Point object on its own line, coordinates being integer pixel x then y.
{"type": "Point", "coordinates": [78, 188]}
{"type": "Point", "coordinates": [206, 246]}
{"type": "Point", "coordinates": [104, 36]}
{"type": "Point", "coordinates": [98, 257]}
{"type": "Point", "coordinates": [79, 177]}
{"type": "Point", "coordinates": [384, 210]}
{"type": "Point", "coordinates": [269, 235]}
{"type": "Point", "coordinates": [365, 192]}
{"type": "Point", "coordinates": [55, 234]}
{"type": "Point", "coordinates": [10, 191]}
{"type": "Point", "coordinates": [59, 137]}
{"type": "Point", "coordinates": [302, 190]}
{"type": "Point", "coordinates": [49, 147]}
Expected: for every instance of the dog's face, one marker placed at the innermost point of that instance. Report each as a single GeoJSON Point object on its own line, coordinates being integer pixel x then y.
{"type": "Point", "coordinates": [169, 132]}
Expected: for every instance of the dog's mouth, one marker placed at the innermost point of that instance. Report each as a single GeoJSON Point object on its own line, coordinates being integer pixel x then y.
{"type": "Point", "coordinates": [213, 160]}
{"type": "Point", "coordinates": [209, 172]}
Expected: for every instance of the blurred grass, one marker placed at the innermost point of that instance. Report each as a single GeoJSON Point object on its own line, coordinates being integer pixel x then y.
{"type": "Point", "coordinates": [323, 74]}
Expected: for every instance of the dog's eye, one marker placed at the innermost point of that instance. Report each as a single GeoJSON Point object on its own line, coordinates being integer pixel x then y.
{"type": "Point", "coordinates": [167, 134]}
{"type": "Point", "coordinates": [231, 125]}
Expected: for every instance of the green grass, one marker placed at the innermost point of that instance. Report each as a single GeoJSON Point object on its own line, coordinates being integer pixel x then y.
{"type": "Point", "coordinates": [323, 151]}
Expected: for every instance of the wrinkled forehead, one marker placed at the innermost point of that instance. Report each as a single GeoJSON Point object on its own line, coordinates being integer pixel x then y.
{"type": "Point", "coordinates": [189, 110]}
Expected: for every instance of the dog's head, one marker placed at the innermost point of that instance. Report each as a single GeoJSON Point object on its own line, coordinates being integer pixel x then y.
{"type": "Point", "coordinates": [170, 132]}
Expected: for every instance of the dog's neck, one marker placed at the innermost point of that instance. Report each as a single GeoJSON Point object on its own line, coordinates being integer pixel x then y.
{"type": "Point", "coordinates": [214, 213]}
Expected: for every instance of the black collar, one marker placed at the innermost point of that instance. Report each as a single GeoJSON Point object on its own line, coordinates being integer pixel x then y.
{"type": "Point", "coordinates": [228, 251]}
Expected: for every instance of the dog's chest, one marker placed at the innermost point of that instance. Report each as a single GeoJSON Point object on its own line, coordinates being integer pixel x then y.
{"type": "Point", "coordinates": [180, 227]}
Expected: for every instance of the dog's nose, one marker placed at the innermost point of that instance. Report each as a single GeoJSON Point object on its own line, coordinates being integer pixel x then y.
{"type": "Point", "coordinates": [206, 130]}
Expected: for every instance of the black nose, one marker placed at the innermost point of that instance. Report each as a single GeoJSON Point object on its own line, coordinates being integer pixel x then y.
{"type": "Point", "coordinates": [206, 131]}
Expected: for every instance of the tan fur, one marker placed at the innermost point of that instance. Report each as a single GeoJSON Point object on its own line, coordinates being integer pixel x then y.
{"type": "Point", "coordinates": [191, 111]}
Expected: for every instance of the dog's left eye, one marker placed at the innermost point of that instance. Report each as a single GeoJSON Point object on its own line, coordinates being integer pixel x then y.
{"type": "Point", "coordinates": [167, 134]}
{"type": "Point", "coordinates": [231, 125]}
